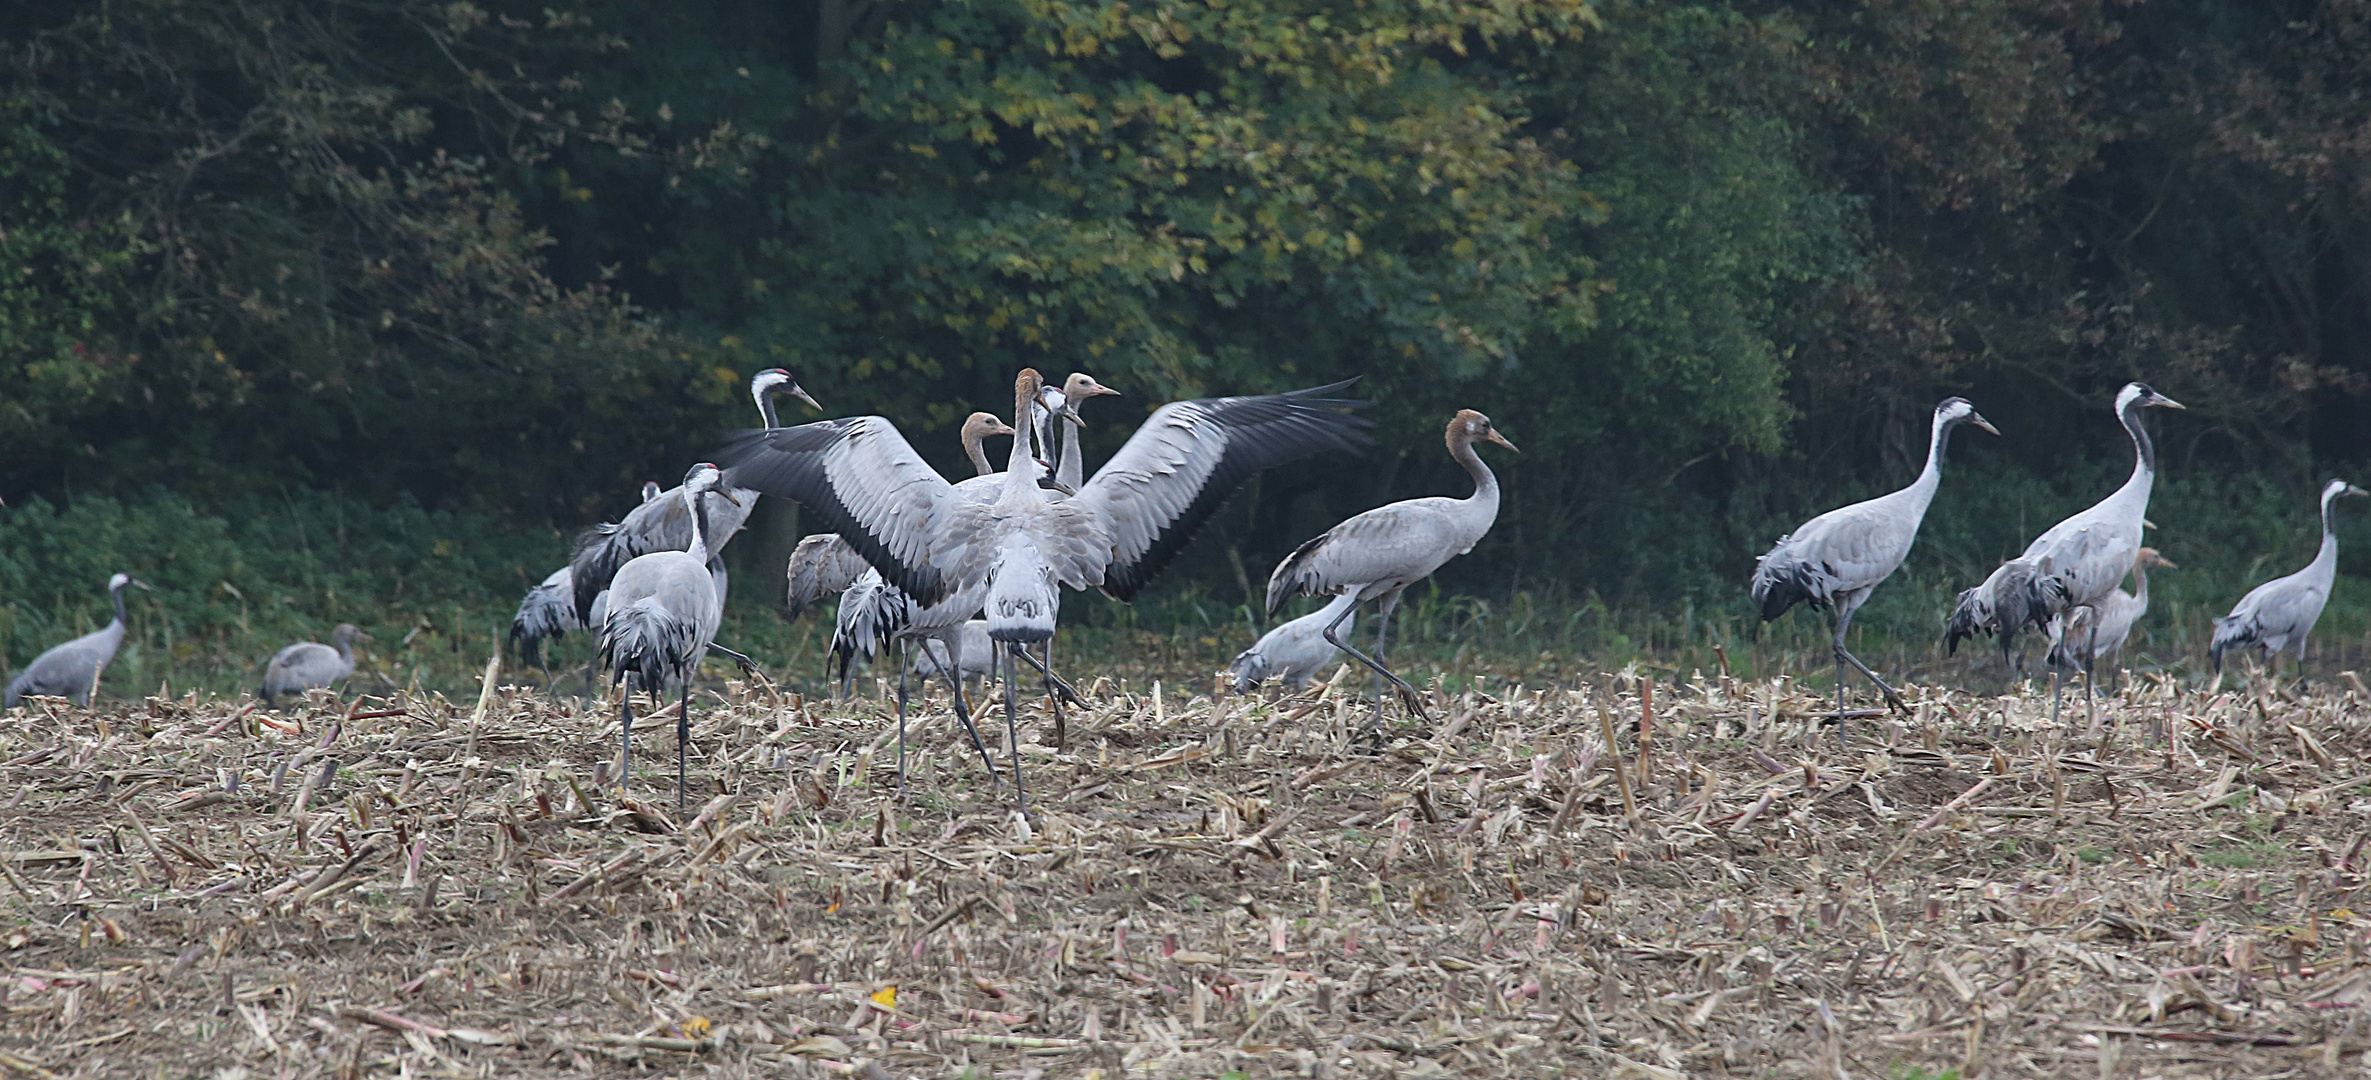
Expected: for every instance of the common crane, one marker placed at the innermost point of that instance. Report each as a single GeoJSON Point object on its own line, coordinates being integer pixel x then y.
{"type": "Point", "coordinates": [2079, 561]}
{"type": "Point", "coordinates": [548, 611]}
{"type": "Point", "coordinates": [1837, 559]}
{"type": "Point", "coordinates": [71, 670]}
{"type": "Point", "coordinates": [307, 664]}
{"type": "Point", "coordinates": [663, 612]}
{"type": "Point", "coordinates": [1013, 554]}
{"type": "Point", "coordinates": [664, 525]}
{"type": "Point", "coordinates": [2281, 612]}
{"type": "Point", "coordinates": [2101, 630]}
{"type": "Point", "coordinates": [1294, 651]}
{"type": "Point", "coordinates": [1376, 555]}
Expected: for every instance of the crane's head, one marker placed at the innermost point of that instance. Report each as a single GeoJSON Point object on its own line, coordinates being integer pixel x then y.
{"type": "Point", "coordinates": [2336, 488]}
{"type": "Point", "coordinates": [1958, 410]}
{"type": "Point", "coordinates": [120, 580]}
{"type": "Point", "coordinates": [347, 631]}
{"type": "Point", "coordinates": [650, 490]}
{"type": "Point", "coordinates": [706, 479]}
{"type": "Point", "coordinates": [1469, 427]}
{"type": "Point", "coordinates": [764, 385]}
{"type": "Point", "coordinates": [2140, 395]}
{"type": "Point", "coordinates": [982, 425]}
{"type": "Point", "coordinates": [1080, 386]}
{"type": "Point", "coordinates": [2149, 557]}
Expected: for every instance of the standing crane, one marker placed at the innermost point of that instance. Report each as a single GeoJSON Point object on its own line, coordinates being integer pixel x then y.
{"type": "Point", "coordinates": [664, 525]}
{"type": "Point", "coordinates": [2115, 617]}
{"type": "Point", "coordinates": [548, 611]}
{"type": "Point", "coordinates": [1294, 651]}
{"type": "Point", "coordinates": [2079, 561]}
{"type": "Point", "coordinates": [308, 664]}
{"type": "Point", "coordinates": [663, 611]}
{"type": "Point", "coordinates": [1837, 559]}
{"type": "Point", "coordinates": [1378, 554]}
{"type": "Point", "coordinates": [1012, 555]}
{"type": "Point", "coordinates": [2281, 612]}
{"type": "Point", "coordinates": [71, 670]}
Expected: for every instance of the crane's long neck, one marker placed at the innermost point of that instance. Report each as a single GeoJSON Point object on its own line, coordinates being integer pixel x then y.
{"type": "Point", "coordinates": [1485, 481]}
{"type": "Point", "coordinates": [1020, 469]}
{"type": "Point", "coordinates": [116, 595]}
{"type": "Point", "coordinates": [2144, 463]}
{"type": "Point", "coordinates": [765, 409]}
{"type": "Point", "coordinates": [978, 456]}
{"type": "Point", "coordinates": [1938, 440]}
{"type": "Point", "coordinates": [1073, 470]}
{"type": "Point", "coordinates": [2328, 555]}
{"type": "Point", "coordinates": [2140, 583]}
{"type": "Point", "coordinates": [699, 545]}
{"type": "Point", "coordinates": [345, 644]}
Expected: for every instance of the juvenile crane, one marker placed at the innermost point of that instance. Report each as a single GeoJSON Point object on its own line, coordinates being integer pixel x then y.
{"type": "Point", "coordinates": [2079, 561]}
{"type": "Point", "coordinates": [71, 670]}
{"type": "Point", "coordinates": [2281, 612]}
{"type": "Point", "coordinates": [1294, 651]}
{"type": "Point", "coordinates": [1376, 555]}
{"type": "Point", "coordinates": [663, 611]}
{"type": "Point", "coordinates": [2112, 619]}
{"type": "Point", "coordinates": [1012, 555]}
{"type": "Point", "coordinates": [308, 664]}
{"type": "Point", "coordinates": [663, 524]}
{"type": "Point", "coordinates": [1837, 559]}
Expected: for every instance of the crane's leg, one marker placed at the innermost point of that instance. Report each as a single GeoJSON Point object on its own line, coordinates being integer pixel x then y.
{"type": "Point", "coordinates": [683, 738]}
{"type": "Point", "coordinates": [1012, 726]}
{"type": "Point", "coordinates": [1892, 699]}
{"type": "Point", "coordinates": [2090, 683]}
{"type": "Point", "coordinates": [955, 685]}
{"type": "Point", "coordinates": [1408, 695]}
{"type": "Point", "coordinates": [625, 753]}
{"type": "Point", "coordinates": [1054, 686]}
{"type": "Point", "coordinates": [904, 659]}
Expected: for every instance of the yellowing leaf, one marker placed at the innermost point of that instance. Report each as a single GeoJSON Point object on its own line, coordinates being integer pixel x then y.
{"type": "Point", "coordinates": [696, 1027]}
{"type": "Point", "coordinates": [886, 997]}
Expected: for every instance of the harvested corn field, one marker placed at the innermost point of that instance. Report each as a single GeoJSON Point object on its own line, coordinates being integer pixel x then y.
{"type": "Point", "coordinates": [416, 887]}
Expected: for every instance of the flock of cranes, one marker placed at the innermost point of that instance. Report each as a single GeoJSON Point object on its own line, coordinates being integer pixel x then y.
{"type": "Point", "coordinates": [966, 577]}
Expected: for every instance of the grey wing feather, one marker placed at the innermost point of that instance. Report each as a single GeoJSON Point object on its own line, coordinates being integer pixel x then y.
{"type": "Point", "coordinates": [547, 611]}
{"type": "Point", "coordinates": [1184, 461]}
{"type": "Point", "coordinates": [662, 524]}
{"type": "Point", "coordinates": [822, 566]}
{"type": "Point", "coordinates": [1401, 541]}
{"type": "Point", "coordinates": [68, 669]}
{"type": "Point", "coordinates": [1842, 551]}
{"type": "Point", "coordinates": [866, 483]}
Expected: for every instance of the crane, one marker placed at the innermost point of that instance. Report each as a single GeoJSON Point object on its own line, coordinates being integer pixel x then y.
{"type": "Point", "coordinates": [1837, 559]}
{"type": "Point", "coordinates": [2079, 561]}
{"type": "Point", "coordinates": [1376, 555]}
{"type": "Point", "coordinates": [1294, 651]}
{"type": "Point", "coordinates": [307, 664]}
{"type": "Point", "coordinates": [663, 612]}
{"type": "Point", "coordinates": [663, 524]}
{"type": "Point", "coordinates": [71, 670]}
{"type": "Point", "coordinates": [2281, 612]}
{"type": "Point", "coordinates": [1012, 555]}
{"type": "Point", "coordinates": [2101, 630]}
{"type": "Point", "coordinates": [548, 611]}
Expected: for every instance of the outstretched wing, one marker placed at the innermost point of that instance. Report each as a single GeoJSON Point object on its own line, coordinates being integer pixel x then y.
{"type": "Point", "coordinates": [1176, 470]}
{"type": "Point", "coordinates": [867, 484]}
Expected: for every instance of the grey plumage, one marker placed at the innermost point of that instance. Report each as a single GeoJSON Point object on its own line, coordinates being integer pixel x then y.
{"type": "Point", "coordinates": [72, 669]}
{"type": "Point", "coordinates": [974, 653]}
{"type": "Point", "coordinates": [863, 479]}
{"type": "Point", "coordinates": [1376, 555]}
{"type": "Point", "coordinates": [2000, 605]}
{"type": "Point", "coordinates": [547, 611]}
{"type": "Point", "coordinates": [309, 664]}
{"type": "Point", "coordinates": [2281, 612]}
{"type": "Point", "coordinates": [664, 523]}
{"type": "Point", "coordinates": [1295, 651]}
{"type": "Point", "coordinates": [822, 566]}
{"type": "Point", "coordinates": [1837, 559]}
{"type": "Point", "coordinates": [663, 613]}
{"type": "Point", "coordinates": [2101, 630]}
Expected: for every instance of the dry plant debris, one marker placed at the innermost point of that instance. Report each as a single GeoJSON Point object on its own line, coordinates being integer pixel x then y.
{"type": "Point", "coordinates": [1209, 887]}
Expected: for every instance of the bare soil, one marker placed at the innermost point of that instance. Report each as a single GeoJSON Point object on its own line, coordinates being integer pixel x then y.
{"type": "Point", "coordinates": [382, 887]}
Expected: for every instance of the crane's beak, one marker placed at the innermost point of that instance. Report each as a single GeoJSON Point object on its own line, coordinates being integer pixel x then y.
{"type": "Point", "coordinates": [1501, 440]}
{"type": "Point", "coordinates": [1979, 420]}
{"type": "Point", "coordinates": [142, 584]}
{"type": "Point", "coordinates": [2165, 402]}
{"type": "Point", "coordinates": [2353, 490]}
{"type": "Point", "coordinates": [800, 393]}
{"type": "Point", "coordinates": [1070, 413]}
{"type": "Point", "coordinates": [1101, 390]}
{"type": "Point", "coordinates": [2166, 563]}
{"type": "Point", "coordinates": [721, 493]}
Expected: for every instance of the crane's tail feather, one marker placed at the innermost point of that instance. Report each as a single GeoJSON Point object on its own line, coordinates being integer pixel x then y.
{"type": "Point", "coordinates": [646, 643]}
{"type": "Point", "coordinates": [547, 611]}
{"type": "Point", "coordinates": [1782, 580]}
{"type": "Point", "coordinates": [2233, 633]}
{"type": "Point", "coordinates": [871, 610]}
